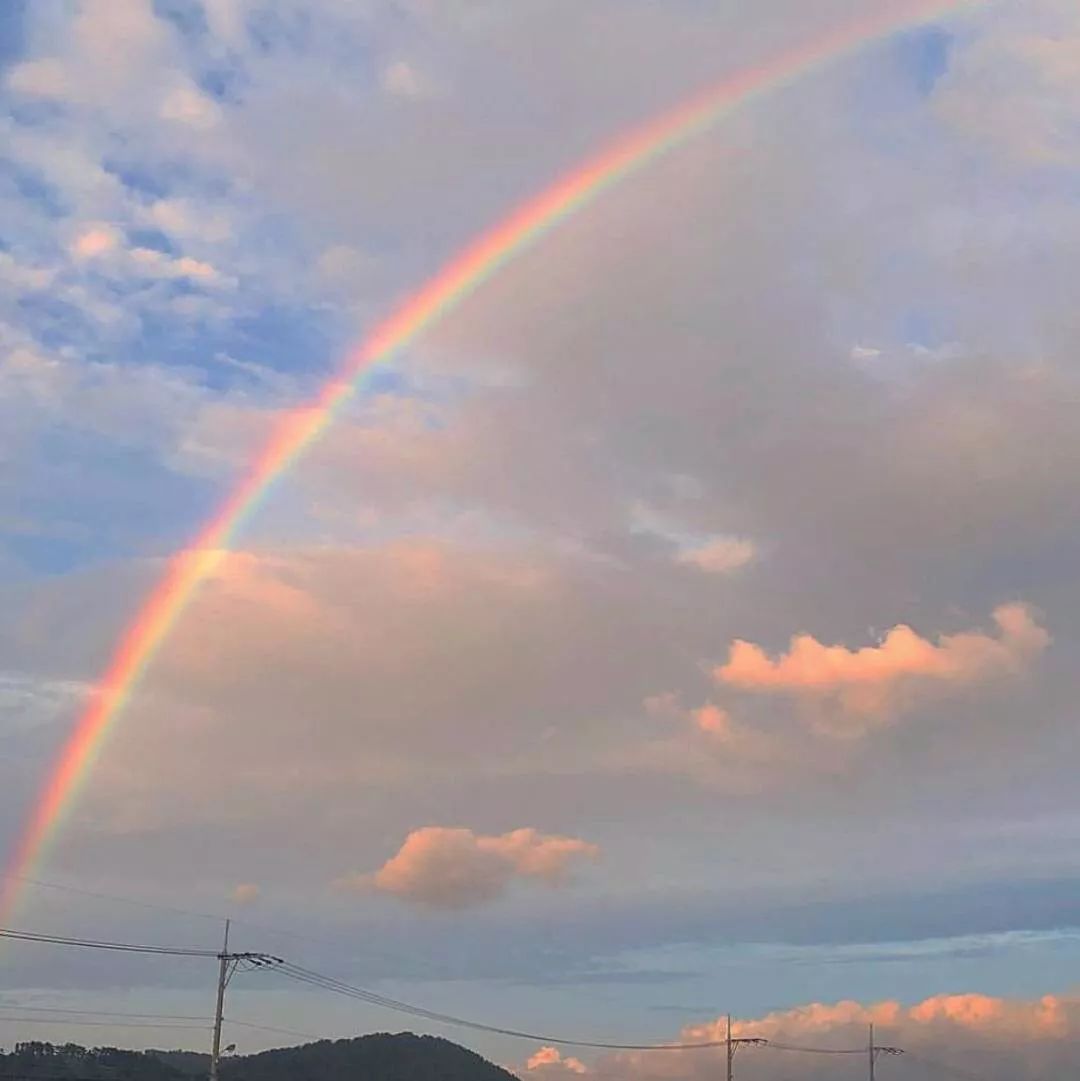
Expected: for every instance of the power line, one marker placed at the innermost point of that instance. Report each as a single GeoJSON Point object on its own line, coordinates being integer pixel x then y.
{"type": "Point", "coordinates": [773, 1046]}
{"type": "Point", "coordinates": [205, 1027]}
{"type": "Point", "coordinates": [274, 1028]}
{"type": "Point", "coordinates": [96, 944]}
{"type": "Point", "coordinates": [329, 983]}
{"type": "Point", "coordinates": [102, 1013]}
{"type": "Point", "coordinates": [230, 962]}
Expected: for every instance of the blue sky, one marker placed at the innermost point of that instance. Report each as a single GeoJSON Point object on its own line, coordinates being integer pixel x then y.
{"type": "Point", "coordinates": [685, 624]}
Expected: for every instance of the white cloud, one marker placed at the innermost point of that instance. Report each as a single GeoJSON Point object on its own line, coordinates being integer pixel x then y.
{"type": "Point", "coordinates": [185, 220]}
{"type": "Point", "coordinates": [21, 278]}
{"type": "Point", "coordinates": [186, 104]}
{"type": "Point", "coordinates": [865, 352]}
{"type": "Point", "coordinates": [158, 264]}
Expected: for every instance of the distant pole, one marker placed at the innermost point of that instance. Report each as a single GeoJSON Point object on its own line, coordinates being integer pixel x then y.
{"type": "Point", "coordinates": [873, 1050]}
{"type": "Point", "coordinates": [223, 979]}
{"type": "Point", "coordinates": [730, 1052]}
{"type": "Point", "coordinates": [733, 1043]}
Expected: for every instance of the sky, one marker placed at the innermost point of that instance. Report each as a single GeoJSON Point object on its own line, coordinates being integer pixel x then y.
{"type": "Point", "coordinates": [686, 624]}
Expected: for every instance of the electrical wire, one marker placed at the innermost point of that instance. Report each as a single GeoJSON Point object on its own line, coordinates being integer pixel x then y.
{"type": "Point", "coordinates": [361, 994]}
{"type": "Point", "coordinates": [773, 1046]}
{"type": "Point", "coordinates": [329, 983]}
{"type": "Point", "coordinates": [96, 944]}
{"type": "Point", "coordinates": [323, 982]}
{"type": "Point", "coordinates": [204, 1027]}
{"type": "Point", "coordinates": [9, 1006]}
{"type": "Point", "coordinates": [273, 1028]}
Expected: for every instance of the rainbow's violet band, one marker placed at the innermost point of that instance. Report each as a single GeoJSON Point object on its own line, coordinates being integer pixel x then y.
{"type": "Point", "coordinates": [457, 280]}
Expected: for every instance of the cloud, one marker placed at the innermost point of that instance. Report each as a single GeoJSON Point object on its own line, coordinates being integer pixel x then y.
{"type": "Point", "coordinates": [456, 868]}
{"type": "Point", "coordinates": [45, 78]}
{"type": "Point", "coordinates": [877, 680]}
{"type": "Point", "coordinates": [1016, 88]}
{"type": "Point", "coordinates": [403, 80]}
{"type": "Point", "coordinates": [226, 19]}
{"type": "Point", "coordinates": [157, 264]}
{"type": "Point", "coordinates": [95, 240]}
{"type": "Point", "coordinates": [21, 278]}
{"type": "Point", "coordinates": [185, 104]}
{"type": "Point", "coordinates": [246, 893]}
{"type": "Point", "coordinates": [1050, 1017]}
{"type": "Point", "coordinates": [184, 219]}
{"type": "Point", "coordinates": [106, 50]}
{"type": "Point", "coordinates": [712, 720]}
{"type": "Point", "coordinates": [974, 1035]}
{"type": "Point", "coordinates": [720, 555]}
{"type": "Point", "coordinates": [865, 352]}
{"type": "Point", "coordinates": [550, 1060]}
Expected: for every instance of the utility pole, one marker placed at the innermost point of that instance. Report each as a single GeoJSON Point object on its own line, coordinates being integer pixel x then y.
{"type": "Point", "coordinates": [733, 1044]}
{"type": "Point", "coordinates": [730, 1052]}
{"type": "Point", "coordinates": [873, 1050]}
{"type": "Point", "coordinates": [227, 965]}
{"type": "Point", "coordinates": [223, 979]}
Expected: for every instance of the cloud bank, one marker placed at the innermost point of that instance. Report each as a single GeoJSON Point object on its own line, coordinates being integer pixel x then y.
{"type": "Point", "coordinates": [946, 1035]}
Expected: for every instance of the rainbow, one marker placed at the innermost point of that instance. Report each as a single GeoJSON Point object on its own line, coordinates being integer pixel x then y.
{"type": "Point", "coordinates": [456, 281]}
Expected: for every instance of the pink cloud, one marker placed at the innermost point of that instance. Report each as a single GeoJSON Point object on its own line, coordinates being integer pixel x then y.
{"type": "Point", "coordinates": [456, 868]}
{"type": "Point", "coordinates": [246, 893]}
{"type": "Point", "coordinates": [875, 680]}
{"type": "Point", "coordinates": [94, 241]}
{"type": "Point", "coordinates": [550, 1060]}
{"type": "Point", "coordinates": [712, 720]}
{"type": "Point", "coordinates": [721, 555]}
{"type": "Point", "coordinates": [1049, 1016]}
{"type": "Point", "coordinates": [995, 1039]}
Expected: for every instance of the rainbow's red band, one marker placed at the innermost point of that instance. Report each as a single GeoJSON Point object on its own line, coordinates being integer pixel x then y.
{"type": "Point", "coordinates": [449, 287]}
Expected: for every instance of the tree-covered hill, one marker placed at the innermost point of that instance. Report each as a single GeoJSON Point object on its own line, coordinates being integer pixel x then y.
{"type": "Point", "coordinates": [380, 1057]}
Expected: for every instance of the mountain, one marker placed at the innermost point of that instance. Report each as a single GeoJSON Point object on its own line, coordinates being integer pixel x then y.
{"type": "Point", "coordinates": [384, 1056]}
{"type": "Point", "coordinates": [380, 1057]}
